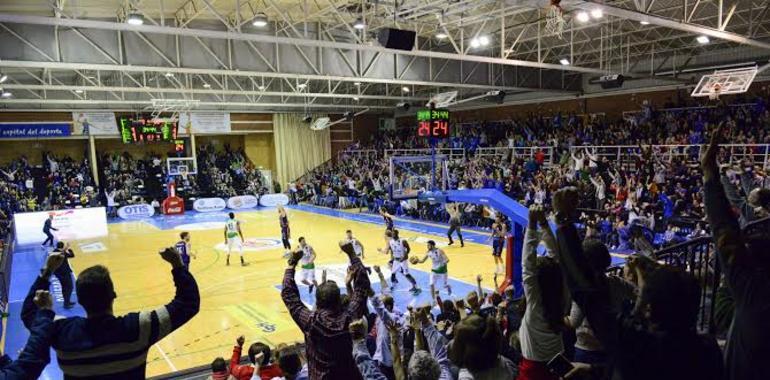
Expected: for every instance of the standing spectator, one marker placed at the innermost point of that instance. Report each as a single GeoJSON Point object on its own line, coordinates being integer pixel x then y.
{"type": "Point", "coordinates": [64, 272]}
{"type": "Point", "coordinates": [329, 346]}
{"type": "Point", "coordinates": [102, 345]}
{"type": "Point", "coordinates": [745, 262]}
{"type": "Point", "coordinates": [47, 228]}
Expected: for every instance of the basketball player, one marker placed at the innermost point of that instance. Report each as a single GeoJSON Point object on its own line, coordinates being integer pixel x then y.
{"type": "Point", "coordinates": [388, 218]}
{"type": "Point", "coordinates": [308, 264]}
{"type": "Point", "coordinates": [184, 249]}
{"type": "Point", "coordinates": [232, 233]}
{"type": "Point", "coordinates": [399, 263]}
{"type": "Point", "coordinates": [438, 271]}
{"type": "Point", "coordinates": [357, 246]}
{"type": "Point", "coordinates": [285, 231]}
{"type": "Point", "coordinates": [499, 230]}
{"type": "Point", "coordinates": [454, 222]}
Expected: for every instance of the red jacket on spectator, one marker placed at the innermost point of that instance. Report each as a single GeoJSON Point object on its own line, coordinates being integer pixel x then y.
{"type": "Point", "coordinates": [244, 372]}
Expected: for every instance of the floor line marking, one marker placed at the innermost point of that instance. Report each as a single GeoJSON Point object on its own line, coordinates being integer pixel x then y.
{"type": "Point", "coordinates": [163, 354]}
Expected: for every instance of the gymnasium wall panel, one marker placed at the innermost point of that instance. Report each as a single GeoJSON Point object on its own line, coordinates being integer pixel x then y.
{"type": "Point", "coordinates": [33, 149]}
{"type": "Point", "coordinates": [298, 149]}
{"type": "Point", "coordinates": [260, 149]}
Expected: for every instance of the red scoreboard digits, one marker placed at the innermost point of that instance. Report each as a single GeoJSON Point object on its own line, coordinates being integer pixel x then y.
{"type": "Point", "coordinates": [433, 123]}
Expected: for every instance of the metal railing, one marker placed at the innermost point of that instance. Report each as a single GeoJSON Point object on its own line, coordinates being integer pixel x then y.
{"type": "Point", "coordinates": [519, 152]}
{"type": "Point", "coordinates": [451, 153]}
{"type": "Point", "coordinates": [757, 154]}
{"type": "Point", "coordinates": [358, 153]}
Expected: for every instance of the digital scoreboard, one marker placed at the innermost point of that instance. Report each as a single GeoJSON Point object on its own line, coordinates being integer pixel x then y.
{"type": "Point", "coordinates": [147, 130]}
{"type": "Point", "coordinates": [433, 123]}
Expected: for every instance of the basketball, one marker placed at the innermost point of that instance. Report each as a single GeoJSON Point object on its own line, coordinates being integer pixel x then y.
{"type": "Point", "coordinates": [414, 260]}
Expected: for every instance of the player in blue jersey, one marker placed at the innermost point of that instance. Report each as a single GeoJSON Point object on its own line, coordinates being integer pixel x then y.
{"type": "Point", "coordinates": [388, 218]}
{"type": "Point", "coordinates": [184, 249]}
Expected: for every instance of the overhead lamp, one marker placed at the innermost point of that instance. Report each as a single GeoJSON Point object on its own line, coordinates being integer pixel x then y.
{"type": "Point", "coordinates": [405, 89]}
{"type": "Point", "coordinates": [597, 13]}
{"type": "Point", "coordinates": [475, 43]}
{"type": "Point", "coordinates": [441, 36]}
{"type": "Point", "coordinates": [261, 88]}
{"type": "Point", "coordinates": [260, 20]}
{"type": "Point", "coordinates": [6, 94]}
{"type": "Point", "coordinates": [356, 98]}
{"type": "Point", "coordinates": [359, 24]}
{"type": "Point", "coordinates": [301, 86]}
{"type": "Point", "coordinates": [356, 84]}
{"type": "Point", "coordinates": [703, 40]}
{"type": "Point", "coordinates": [134, 18]}
{"type": "Point", "coordinates": [582, 16]}
{"type": "Point", "coordinates": [206, 85]}
{"type": "Point", "coordinates": [168, 75]}
{"type": "Point", "coordinates": [3, 77]}
{"type": "Point", "coordinates": [564, 61]}
{"type": "Point", "coordinates": [644, 22]}
{"type": "Point", "coordinates": [79, 91]}
{"type": "Point", "coordinates": [484, 40]}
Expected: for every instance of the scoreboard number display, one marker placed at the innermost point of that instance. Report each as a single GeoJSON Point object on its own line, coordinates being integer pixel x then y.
{"type": "Point", "coordinates": [433, 123]}
{"type": "Point", "coordinates": [147, 130]}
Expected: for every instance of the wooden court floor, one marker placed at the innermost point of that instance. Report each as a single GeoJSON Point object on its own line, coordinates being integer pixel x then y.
{"type": "Point", "coordinates": [239, 300]}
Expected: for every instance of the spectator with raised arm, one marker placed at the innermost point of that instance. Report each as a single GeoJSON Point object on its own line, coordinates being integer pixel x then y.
{"type": "Point", "coordinates": [329, 348]}
{"type": "Point", "coordinates": [102, 345]}
{"type": "Point", "coordinates": [745, 262]}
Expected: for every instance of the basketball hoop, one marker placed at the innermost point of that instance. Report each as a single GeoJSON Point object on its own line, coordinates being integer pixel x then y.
{"type": "Point", "coordinates": [442, 100]}
{"type": "Point", "coordinates": [714, 92]}
{"type": "Point", "coordinates": [554, 20]}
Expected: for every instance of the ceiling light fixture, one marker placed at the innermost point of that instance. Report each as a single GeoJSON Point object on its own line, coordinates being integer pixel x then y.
{"type": "Point", "coordinates": [564, 61]}
{"type": "Point", "coordinates": [206, 85]}
{"type": "Point", "coordinates": [356, 84]}
{"type": "Point", "coordinates": [441, 35]}
{"type": "Point", "coordinates": [261, 88]}
{"type": "Point", "coordinates": [484, 40]}
{"type": "Point", "coordinates": [597, 13]}
{"type": "Point", "coordinates": [134, 18]}
{"type": "Point", "coordinates": [582, 17]}
{"type": "Point", "coordinates": [644, 22]}
{"type": "Point", "coordinates": [6, 94]}
{"type": "Point", "coordinates": [260, 20]}
{"type": "Point", "coordinates": [404, 89]}
{"type": "Point", "coordinates": [359, 24]}
{"type": "Point", "coordinates": [301, 86]}
{"type": "Point", "coordinates": [3, 77]}
{"type": "Point", "coordinates": [168, 75]}
{"type": "Point", "coordinates": [703, 40]}
{"type": "Point", "coordinates": [356, 98]}
{"type": "Point", "coordinates": [79, 91]}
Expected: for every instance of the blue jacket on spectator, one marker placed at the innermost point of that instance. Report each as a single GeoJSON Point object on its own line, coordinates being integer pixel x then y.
{"type": "Point", "coordinates": [36, 354]}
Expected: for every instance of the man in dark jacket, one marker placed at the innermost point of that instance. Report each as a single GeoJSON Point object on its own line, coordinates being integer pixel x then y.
{"type": "Point", "coordinates": [64, 272]}
{"type": "Point", "coordinates": [102, 345]}
{"type": "Point", "coordinates": [47, 228]}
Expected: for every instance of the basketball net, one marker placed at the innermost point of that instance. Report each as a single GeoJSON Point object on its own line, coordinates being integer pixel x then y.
{"type": "Point", "coordinates": [554, 20]}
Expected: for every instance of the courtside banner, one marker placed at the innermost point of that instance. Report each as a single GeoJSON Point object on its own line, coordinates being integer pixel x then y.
{"type": "Point", "coordinates": [272, 200]}
{"type": "Point", "coordinates": [242, 202]}
{"type": "Point", "coordinates": [209, 204]}
{"type": "Point", "coordinates": [74, 224]}
{"type": "Point", "coordinates": [137, 211]}
{"type": "Point", "coordinates": [34, 130]}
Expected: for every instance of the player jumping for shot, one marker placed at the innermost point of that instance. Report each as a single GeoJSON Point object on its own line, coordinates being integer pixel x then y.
{"type": "Point", "coordinates": [388, 218]}
{"type": "Point", "coordinates": [185, 249]}
{"type": "Point", "coordinates": [439, 273]}
{"type": "Point", "coordinates": [283, 219]}
{"type": "Point", "coordinates": [357, 246]}
{"type": "Point", "coordinates": [499, 230]}
{"type": "Point", "coordinates": [232, 234]}
{"type": "Point", "coordinates": [399, 263]}
{"type": "Point", "coordinates": [454, 222]}
{"type": "Point", "coordinates": [308, 264]}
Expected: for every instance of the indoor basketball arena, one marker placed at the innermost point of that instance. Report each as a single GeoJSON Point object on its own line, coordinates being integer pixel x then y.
{"type": "Point", "coordinates": [385, 190]}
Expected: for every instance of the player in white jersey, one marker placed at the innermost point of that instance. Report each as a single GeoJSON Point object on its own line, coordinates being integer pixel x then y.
{"type": "Point", "coordinates": [439, 273]}
{"type": "Point", "coordinates": [308, 264]}
{"type": "Point", "coordinates": [234, 237]}
{"type": "Point", "coordinates": [399, 263]}
{"type": "Point", "coordinates": [357, 246]}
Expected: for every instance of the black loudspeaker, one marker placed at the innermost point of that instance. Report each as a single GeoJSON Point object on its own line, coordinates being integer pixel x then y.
{"type": "Point", "coordinates": [611, 81]}
{"type": "Point", "coordinates": [396, 38]}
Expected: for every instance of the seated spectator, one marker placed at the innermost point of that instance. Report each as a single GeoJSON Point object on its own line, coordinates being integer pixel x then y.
{"type": "Point", "coordinates": [259, 356]}
{"type": "Point", "coordinates": [103, 345]}
{"type": "Point", "coordinates": [329, 346]}
{"type": "Point", "coordinates": [219, 370]}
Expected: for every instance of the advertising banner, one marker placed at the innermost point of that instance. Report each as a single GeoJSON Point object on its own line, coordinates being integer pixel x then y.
{"type": "Point", "coordinates": [209, 204]}
{"type": "Point", "coordinates": [36, 130]}
{"type": "Point", "coordinates": [137, 211]}
{"type": "Point", "coordinates": [204, 122]}
{"type": "Point", "coordinates": [272, 200]}
{"type": "Point", "coordinates": [94, 123]}
{"type": "Point", "coordinates": [242, 202]}
{"type": "Point", "coordinates": [70, 224]}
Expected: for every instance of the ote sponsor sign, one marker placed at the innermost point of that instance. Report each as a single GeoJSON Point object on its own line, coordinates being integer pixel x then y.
{"type": "Point", "coordinates": [209, 204]}
{"type": "Point", "coordinates": [242, 202]}
{"type": "Point", "coordinates": [137, 211]}
{"type": "Point", "coordinates": [272, 200]}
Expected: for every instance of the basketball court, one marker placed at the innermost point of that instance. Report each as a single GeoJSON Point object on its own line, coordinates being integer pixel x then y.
{"type": "Point", "coordinates": [237, 300]}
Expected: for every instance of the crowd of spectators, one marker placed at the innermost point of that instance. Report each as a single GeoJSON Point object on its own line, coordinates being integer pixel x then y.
{"type": "Point", "coordinates": [649, 198]}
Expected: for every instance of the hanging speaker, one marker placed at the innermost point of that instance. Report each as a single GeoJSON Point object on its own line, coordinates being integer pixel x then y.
{"type": "Point", "coordinates": [396, 38]}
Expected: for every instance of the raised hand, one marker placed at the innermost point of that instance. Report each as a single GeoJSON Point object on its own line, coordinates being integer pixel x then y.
{"type": "Point", "coordinates": [43, 300]}
{"type": "Point", "coordinates": [171, 255]}
{"type": "Point", "coordinates": [565, 203]}
{"type": "Point", "coordinates": [240, 340]}
{"type": "Point", "coordinates": [294, 258]}
{"type": "Point", "coordinates": [708, 160]}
